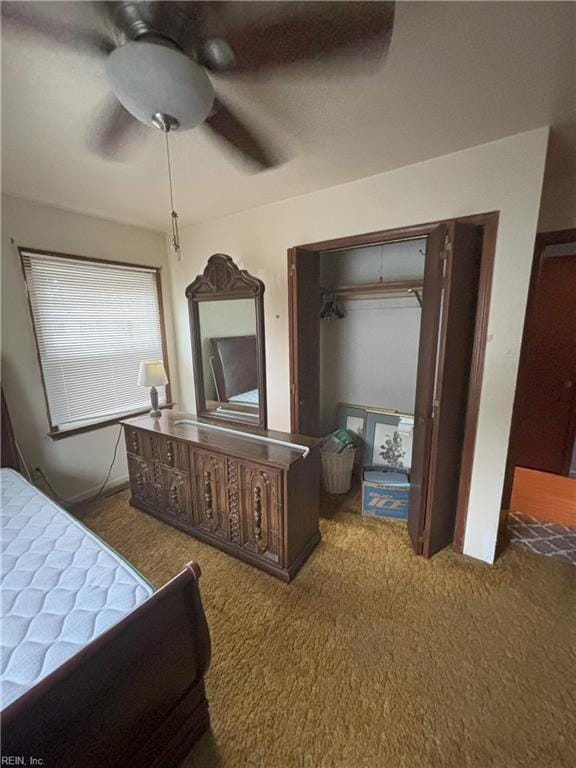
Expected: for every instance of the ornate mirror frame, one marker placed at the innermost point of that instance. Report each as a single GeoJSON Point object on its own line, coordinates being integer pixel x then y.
{"type": "Point", "coordinates": [222, 280]}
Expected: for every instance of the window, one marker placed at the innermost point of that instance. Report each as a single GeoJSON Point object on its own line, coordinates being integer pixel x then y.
{"type": "Point", "coordinates": [94, 321]}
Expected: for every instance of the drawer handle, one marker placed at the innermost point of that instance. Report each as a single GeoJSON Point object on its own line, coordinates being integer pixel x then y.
{"type": "Point", "coordinates": [208, 494]}
{"type": "Point", "coordinates": [170, 453]}
{"type": "Point", "coordinates": [258, 513]}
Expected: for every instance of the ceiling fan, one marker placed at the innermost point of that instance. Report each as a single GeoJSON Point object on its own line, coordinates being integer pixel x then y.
{"type": "Point", "coordinates": [160, 55]}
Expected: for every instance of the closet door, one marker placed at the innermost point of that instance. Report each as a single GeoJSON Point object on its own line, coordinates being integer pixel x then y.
{"type": "Point", "coordinates": [304, 300]}
{"type": "Point", "coordinates": [451, 273]}
{"type": "Point", "coordinates": [425, 382]}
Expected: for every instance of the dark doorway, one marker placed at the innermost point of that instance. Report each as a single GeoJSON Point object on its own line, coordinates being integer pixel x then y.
{"type": "Point", "coordinates": [544, 421]}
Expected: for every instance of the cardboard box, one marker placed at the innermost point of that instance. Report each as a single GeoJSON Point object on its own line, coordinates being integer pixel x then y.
{"type": "Point", "coordinates": [385, 494]}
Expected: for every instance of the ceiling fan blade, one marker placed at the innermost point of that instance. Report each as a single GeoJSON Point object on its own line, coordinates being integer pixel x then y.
{"type": "Point", "coordinates": [18, 16]}
{"type": "Point", "coordinates": [114, 132]}
{"type": "Point", "coordinates": [226, 125]}
{"type": "Point", "coordinates": [282, 33]}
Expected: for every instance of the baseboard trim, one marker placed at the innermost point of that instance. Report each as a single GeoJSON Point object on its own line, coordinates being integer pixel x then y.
{"type": "Point", "coordinates": [119, 484]}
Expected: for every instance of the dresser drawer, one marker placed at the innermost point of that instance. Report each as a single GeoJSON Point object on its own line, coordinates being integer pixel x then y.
{"type": "Point", "coordinates": [169, 452]}
{"type": "Point", "coordinates": [135, 441]}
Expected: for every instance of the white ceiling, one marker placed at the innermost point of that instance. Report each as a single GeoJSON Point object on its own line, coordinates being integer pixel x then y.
{"type": "Point", "coordinates": [457, 74]}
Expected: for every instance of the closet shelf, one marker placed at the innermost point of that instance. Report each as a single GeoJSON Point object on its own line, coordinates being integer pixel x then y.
{"type": "Point", "coordinates": [396, 289]}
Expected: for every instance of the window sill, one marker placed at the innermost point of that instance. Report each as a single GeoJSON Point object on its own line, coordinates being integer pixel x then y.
{"type": "Point", "coordinates": [60, 434]}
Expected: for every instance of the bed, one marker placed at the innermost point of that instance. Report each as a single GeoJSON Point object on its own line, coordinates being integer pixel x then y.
{"type": "Point", "coordinates": [97, 667]}
{"type": "Point", "coordinates": [235, 369]}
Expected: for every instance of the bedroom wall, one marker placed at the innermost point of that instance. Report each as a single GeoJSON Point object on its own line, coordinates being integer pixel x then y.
{"type": "Point", "coordinates": [504, 175]}
{"type": "Point", "coordinates": [76, 465]}
{"type": "Point", "coordinates": [558, 206]}
{"type": "Point", "coordinates": [370, 357]}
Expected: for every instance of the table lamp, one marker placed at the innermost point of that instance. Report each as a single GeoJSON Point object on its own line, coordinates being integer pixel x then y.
{"type": "Point", "coordinates": [152, 374]}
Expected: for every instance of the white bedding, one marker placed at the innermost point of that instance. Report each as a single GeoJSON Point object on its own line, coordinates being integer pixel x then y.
{"type": "Point", "coordinates": [61, 586]}
{"type": "Point", "coordinates": [247, 398]}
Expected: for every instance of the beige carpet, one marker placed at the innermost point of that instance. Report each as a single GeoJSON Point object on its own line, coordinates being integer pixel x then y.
{"type": "Point", "coordinates": [372, 657]}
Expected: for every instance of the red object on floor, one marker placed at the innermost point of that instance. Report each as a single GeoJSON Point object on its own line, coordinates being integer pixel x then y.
{"type": "Point", "coordinates": [544, 496]}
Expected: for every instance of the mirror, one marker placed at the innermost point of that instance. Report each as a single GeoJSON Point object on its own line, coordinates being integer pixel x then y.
{"type": "Point", "coordinates": [227, 328]}
{"type": "Point", "coordinates": [229, 362]}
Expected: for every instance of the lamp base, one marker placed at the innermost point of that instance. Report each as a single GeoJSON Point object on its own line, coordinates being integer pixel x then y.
{"type": "Point", "coordinates": [155, 411]}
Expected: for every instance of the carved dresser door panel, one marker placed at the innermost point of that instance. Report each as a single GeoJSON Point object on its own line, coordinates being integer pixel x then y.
{"type": "Point", "coordinates": [210, 507]}
{"type": "Point", "coordinates": [260, 510]}
{"type": "Point", "coordinates": [176, 495]}
{"type": "Point", "coordinates": [140, 467]}
{"type": "Point", "coordinates": [140, 472]}
{"type": "Point", "coordinates": [135, 440]}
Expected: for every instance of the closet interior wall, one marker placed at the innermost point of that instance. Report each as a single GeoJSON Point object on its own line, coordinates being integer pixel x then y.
{"type": "Point", "coordinates": [370, 356]}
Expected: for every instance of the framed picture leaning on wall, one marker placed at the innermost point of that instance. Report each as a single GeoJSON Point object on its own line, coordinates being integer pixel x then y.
{"type": "Point", "coordinates": [352, 418]}
{"type": "Point", "coordinates": [388, 440]}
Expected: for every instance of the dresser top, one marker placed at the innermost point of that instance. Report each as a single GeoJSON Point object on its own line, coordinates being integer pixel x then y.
{"type": "Point", "coordinates": [239, 445]}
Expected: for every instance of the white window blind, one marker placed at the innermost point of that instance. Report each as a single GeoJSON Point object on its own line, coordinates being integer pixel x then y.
{"type": "Point", "coordinates": [94, 324]}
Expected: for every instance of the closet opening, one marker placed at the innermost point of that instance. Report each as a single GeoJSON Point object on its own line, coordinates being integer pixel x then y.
{"type": "Point", "coordinates": [387, 335]}
{"type": "Point", "coordinates": [371, 300]}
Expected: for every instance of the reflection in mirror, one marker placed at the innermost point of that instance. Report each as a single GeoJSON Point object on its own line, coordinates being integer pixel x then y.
{"type": "Point", "coordinates": [226, 307]}
{"type": "Point", "coordinates": [229, 356]}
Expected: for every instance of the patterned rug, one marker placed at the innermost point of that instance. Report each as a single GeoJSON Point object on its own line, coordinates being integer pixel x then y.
{"type": "Point", "coordinates": [550, 539]}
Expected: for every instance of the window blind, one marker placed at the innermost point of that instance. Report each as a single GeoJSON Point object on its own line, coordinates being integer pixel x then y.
{"type": "Point", "coordinates": [94, 323]}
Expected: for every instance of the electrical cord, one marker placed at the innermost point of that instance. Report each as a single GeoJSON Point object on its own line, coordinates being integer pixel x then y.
{"type": "Point", "coordinates": [110, 467]}
{"type": "Point", "coordinates": [57, 495]}
{"type": "Point", "coordinates": [19, 452]}
{"type": "Point", "coordinates": [50, 488]}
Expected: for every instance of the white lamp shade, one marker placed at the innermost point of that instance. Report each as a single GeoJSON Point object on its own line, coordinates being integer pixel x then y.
{"type": "Point", "coordinates": [152, 374]}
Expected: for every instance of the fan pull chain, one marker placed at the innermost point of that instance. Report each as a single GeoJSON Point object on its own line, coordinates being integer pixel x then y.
{"type": "Point", "coordinates": [173, 216]}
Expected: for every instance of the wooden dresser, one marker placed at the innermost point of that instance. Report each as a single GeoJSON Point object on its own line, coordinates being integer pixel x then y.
{"type": "Point", "coordinates": [258, 501]}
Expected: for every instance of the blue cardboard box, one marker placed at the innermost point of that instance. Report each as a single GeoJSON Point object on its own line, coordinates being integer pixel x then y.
{"type": "Point", "coordinates": [385, 493]}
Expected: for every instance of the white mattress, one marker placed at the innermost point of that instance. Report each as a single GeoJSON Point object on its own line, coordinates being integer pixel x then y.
{"type": "Point", "coordinates": [248, 398]}
{"type": "Point", "coordinates": [61, 586]}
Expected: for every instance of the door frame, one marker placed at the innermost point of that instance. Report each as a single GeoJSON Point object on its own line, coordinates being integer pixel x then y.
{"type": "Point", "coordinates": [488, 222]}
{"type": "Point", "coordinates": [543, 240]}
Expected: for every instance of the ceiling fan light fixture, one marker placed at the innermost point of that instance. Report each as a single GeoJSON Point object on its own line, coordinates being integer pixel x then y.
{"type": "Point", "coordinates": [150, 78]}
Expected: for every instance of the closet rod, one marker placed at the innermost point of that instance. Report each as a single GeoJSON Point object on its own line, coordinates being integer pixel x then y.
{"type": "Point", "coordinates": [374, 289]}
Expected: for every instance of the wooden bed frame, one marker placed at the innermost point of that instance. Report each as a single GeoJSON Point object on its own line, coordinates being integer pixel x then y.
{"type": "Point", "coordinates": [234, 365]}
{"type": "Point", "coordinates": [134, 696]}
